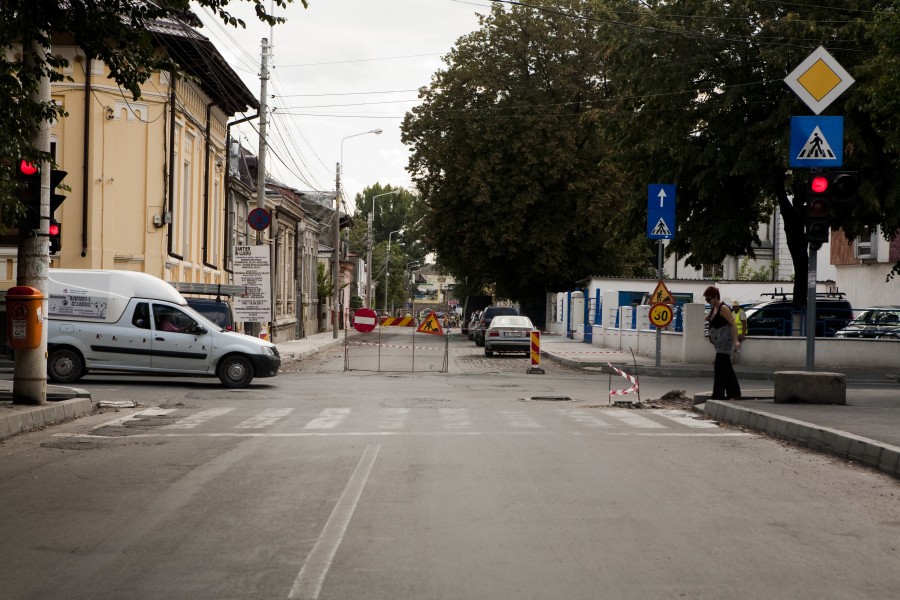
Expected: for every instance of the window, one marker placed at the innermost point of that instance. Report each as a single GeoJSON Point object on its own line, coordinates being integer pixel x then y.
{"type": "Point", "coordinates": [167, 318]}
{"type": "Point", "coordinates": [141, 317]}
{"type": "Point", "coordinates": [866, 245]}
{"type": "Point", "coordinates": [715, 272]}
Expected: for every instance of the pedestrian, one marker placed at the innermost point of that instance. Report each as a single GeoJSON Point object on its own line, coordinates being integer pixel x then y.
{"type": "Point", "coordinates": [740, 321]}
{"type": "Point", "coordinates": [724, 336]}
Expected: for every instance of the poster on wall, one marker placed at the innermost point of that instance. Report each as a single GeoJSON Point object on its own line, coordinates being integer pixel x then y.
{"type": "Point", "coordinates": [252, 272]}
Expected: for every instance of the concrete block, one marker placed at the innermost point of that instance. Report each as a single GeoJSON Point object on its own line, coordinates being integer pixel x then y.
{"type": "Point", "coordinates": [841, 445]}
{"type": "Point", "coordinates": [16, 424]}
{"type": "Point", "coordinates": [4, 427]}
{"type": "Point", "coordinates": [814, 439]}
{"type": "Point", "coordinates": [810, 387]}
{"type": "Point", "coordinates": [38, 418]}
{"type": "Point", "coordinates": [890, 461]}
{"type": "Point", "coordinates": [70, 410]}
{"type": "Point", "coordinates": [59, 413]}
{"type": "Point", "coordinates": [857, 450]}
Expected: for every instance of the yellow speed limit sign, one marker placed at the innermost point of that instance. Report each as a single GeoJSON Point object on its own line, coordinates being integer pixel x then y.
{"type": "Point", "coordinates": [661, 315]}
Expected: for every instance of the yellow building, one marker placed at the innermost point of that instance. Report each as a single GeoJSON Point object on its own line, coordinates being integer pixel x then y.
{"type": "Point", "coordinates": [147, 176]}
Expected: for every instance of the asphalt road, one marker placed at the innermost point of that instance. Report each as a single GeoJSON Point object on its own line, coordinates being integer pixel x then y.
{"type": "Point", "coordinates": [326, 483]}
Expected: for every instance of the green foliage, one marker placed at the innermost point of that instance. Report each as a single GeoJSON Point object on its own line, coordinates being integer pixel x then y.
{"type": "Point", "coordinates": [764, 273]}
{"type": "Point", "coordinates": [521, 183]}
{"type": "Point", "coordinates": [324, 283]}
{"type": "Point", "coordinates": [534, 147]}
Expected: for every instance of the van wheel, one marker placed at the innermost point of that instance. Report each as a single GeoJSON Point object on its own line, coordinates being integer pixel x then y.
{"type": "Point", "coordinates": [235, 372]}
{"type": "Point", "coordinates": [65, 366]}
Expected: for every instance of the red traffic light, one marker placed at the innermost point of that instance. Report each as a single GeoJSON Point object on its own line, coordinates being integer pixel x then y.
{"type": "Point", "coordinates": [818, 184]}
{"type": "Point", "coordinates": [27, 169]}
{"type": "Point", "coordinates": [54, 229]}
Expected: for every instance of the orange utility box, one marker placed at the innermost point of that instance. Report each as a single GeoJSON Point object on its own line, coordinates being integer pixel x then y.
{"type": "Point", "coordinates": [24, 317]}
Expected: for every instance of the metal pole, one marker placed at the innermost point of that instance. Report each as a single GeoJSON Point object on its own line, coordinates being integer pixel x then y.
{"type": "Point", "coordinates": [336, 267]}
{"type": "Point", "coordinates": [261, 158]}
{"type": "Point", "coordinates": [659, 274]}
{"type": "Point", "coordinates": [811, 307]}
{"type": "Point", "coordinates": [369, 247]}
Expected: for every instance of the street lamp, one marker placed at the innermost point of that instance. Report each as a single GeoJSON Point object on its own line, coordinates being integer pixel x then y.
{"type": "Point", "coordinates": [336, 267]}
{"type": "Point", "coordinates": [411, 289]}
{"type": "Point", "coordinates": [369, 242]}
{"type": "Point", "coordinates": [387, 267]}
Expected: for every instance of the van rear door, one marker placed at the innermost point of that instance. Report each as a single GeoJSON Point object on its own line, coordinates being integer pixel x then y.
{"type": "Point", "coordinates": [180, 343]}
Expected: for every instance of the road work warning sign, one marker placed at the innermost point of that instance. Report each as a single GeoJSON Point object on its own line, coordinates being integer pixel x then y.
{"type": "Point", "coordinates": [431, 325]}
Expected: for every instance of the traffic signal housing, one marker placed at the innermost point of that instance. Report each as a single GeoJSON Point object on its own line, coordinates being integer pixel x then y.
{"type": "Point", "coordinates": [843, 187]}
{"type": "Point", "coordinates": [818, 211]}
{"type": "Point", "coordinates": [55, 233]}
{"type": "Point", "coordinates": [28, 192]}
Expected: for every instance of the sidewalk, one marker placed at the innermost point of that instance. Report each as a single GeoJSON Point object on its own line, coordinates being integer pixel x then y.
{"type": "Point", "coordinates": [866, 429]}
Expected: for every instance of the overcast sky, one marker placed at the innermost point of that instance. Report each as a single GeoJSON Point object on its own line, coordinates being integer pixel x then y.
{"type": "Point", "coordinates": [340, 68]}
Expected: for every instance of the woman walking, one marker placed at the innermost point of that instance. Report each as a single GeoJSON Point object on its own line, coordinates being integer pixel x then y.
{"type": "Point", "coordinates": [724, 336]}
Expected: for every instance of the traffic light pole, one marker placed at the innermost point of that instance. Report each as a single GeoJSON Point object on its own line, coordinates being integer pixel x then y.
{"type": "Point", "coordinates": [811, 306]}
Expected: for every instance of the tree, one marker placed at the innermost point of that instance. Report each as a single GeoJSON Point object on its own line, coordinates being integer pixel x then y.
{"type": "Point", "coordinates": [520, 183]}
{"type": "Point", "coordinates": [401, 211]}
{"type": "Point", "coordinates": [710, 112]}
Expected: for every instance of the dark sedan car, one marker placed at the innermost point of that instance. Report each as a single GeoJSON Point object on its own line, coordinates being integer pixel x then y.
{"type": "Point", "coordinates": [878, 322]}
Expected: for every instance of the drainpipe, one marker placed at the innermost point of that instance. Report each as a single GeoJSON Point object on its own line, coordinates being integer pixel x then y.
{"type": "Point", "coordinates": [170, 195]}
{"type": "Point", "coordinates": [86, 185]}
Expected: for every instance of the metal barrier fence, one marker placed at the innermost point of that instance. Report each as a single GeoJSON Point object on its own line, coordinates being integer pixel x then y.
{"type": "Point", "coordinates": [397, 349]}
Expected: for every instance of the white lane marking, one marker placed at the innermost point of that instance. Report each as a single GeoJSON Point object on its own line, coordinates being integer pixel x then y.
{"type": "Point", "coordinates": [197, 419]}
{"type": "Point", "coordinates": [632, 420]}
{"type": "Point", "coordinates": [329, 418]}
{"type": "Point", "coordinates": [393, 418]}
{"type": "Point", "coordinates": [308, 583]}
{"type": "Point", "coordinates": [585, 419]}
{"type": "Point", "coordinates": [266, 418]}
{"type": "Point", "coordinates": [685, 418]}
{"type": "Point", "coordinates": [455, 418]}
{"type": "Point", "coordinates": [314, 434]}
{"type": "Point", "coordinates": [520, 420]}
{"type": "Point", "coordinates": [150, 412]}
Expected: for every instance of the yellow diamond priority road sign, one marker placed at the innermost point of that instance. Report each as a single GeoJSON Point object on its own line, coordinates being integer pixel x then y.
{"type": "Point", "coordinates": [819, 80]}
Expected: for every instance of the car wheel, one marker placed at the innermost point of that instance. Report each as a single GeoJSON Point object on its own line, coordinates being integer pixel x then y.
{"type": "Point", "coordinates": [235, 371]}
{"type": "Point", "coordinates": [488, 352]}
{"type": "Point", "coordinates": [65, 365]}
{"type": "Point", "coordinates": [479, 341]}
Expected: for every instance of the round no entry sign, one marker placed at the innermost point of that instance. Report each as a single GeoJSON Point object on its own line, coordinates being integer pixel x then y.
{"type": "Point", "coordinates": [364, 320]}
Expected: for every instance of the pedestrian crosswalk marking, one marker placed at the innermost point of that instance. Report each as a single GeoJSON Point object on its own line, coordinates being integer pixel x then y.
{"type": "Point", "coordinates": [328, 418]}
{"type": "Point", "coordinates": [390, 421]}
{"type": "Point", "coordinates": [197, 419]}
{"type": "Point", "coordinates": [393, 418]}
{"type": "Point", "coordinates": [267, 418]}
{"type": "Point", "coordinates": [455, 418]}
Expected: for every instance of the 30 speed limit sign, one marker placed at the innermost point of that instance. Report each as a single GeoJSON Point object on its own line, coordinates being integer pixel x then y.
{"type": "Point", "coordinates": [661, 315]}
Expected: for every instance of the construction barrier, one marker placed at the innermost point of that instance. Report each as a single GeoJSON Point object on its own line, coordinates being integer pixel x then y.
{"type": "Point", "coordinates": [398, 322]}
{"type": "Point", "coordinates": [535, 353]}
{"type": "Point", "coordinates": [634, 388]}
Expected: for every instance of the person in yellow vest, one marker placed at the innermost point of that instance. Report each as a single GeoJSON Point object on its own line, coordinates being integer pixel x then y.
{"type": "Point", "coordinates": [740, 320]}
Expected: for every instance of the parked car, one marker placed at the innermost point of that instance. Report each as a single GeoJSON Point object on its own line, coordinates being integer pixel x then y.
{"type": "Point", "coordinates": [878, 322]}
{"type": "Point", "coordinates": [776, 316]}
{"type": "Point", "coordinates": [472, 305]}
{"type": "Point", "coordinates": [508, 333]}
{"type": "Point", "coordinates": [487, 315]}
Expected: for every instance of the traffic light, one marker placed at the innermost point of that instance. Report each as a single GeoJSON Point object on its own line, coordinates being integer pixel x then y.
{"type": "Point", "coordinates": [818, 192]}
{"type": "Point", "coordinates": [28, 192]}
{"type": "Point", "coordinates": [55, 233]}
{"type": "Point", "coordinates": [843, 187]}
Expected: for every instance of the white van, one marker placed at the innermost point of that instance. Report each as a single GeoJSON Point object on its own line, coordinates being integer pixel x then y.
{"type": "Point", "coordinates": [135, 322]}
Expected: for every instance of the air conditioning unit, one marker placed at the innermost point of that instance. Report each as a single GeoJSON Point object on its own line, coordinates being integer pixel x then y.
{"type": "Point", "coordinates": [865, 247]}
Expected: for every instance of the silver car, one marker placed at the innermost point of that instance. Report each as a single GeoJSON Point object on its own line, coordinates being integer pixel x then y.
{"type": "Point", "coordinates": [508, 333]}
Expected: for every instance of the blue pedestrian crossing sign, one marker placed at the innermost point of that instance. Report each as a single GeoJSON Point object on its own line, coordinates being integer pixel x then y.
{"type": "Point", "coordinates": [817, 142]}
{"type": "Point", "coordinates": [661, 211]}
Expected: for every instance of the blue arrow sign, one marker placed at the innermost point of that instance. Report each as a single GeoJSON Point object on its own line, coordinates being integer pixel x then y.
{"type": "Point", "coordinates": [817, 142]}
{"type": "Point", "coordinates": [661, 211]}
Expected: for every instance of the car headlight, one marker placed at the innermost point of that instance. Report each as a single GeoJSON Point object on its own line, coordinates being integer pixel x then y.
{"type": "Point", "coordinates": [270, 350]}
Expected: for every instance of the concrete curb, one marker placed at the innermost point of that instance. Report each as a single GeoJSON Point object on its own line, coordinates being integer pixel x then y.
{"type": "Point", "coordinates": [878, 455]}
{"type": "Point", "coordinates": [300, 354]}
{"type": "Point", "coordinates": [37, 417]}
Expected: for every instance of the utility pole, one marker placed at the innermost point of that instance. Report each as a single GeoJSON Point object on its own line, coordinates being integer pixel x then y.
{"type": "Point", "coordinates": [336, 267]}
{"type": "Point", "coordinates": [30, 370]}
{"type": "Point", "coordinates": [261, 154]}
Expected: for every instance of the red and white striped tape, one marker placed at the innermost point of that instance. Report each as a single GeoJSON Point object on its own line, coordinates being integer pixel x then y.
{"type": "Point", "coordinates": [390, 345]}
{"type": "Point", "coordinates": [625, 375]}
